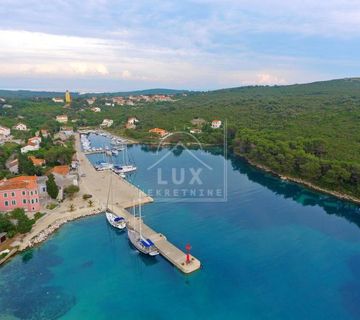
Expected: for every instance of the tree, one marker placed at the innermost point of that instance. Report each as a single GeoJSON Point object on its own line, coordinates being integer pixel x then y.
{"type": "Point", "coordinates": [25, 165]}
{"type": "Point", "coordinates": [71, 190]}
{"type": "Point", "coordinates": [5, 224]}
{"type": "Point", "coordinates": [52, 188]}
{"type": "Point", "coordinates": [24, 224]}
{"type": "Point", "coordinates": [91, 203]}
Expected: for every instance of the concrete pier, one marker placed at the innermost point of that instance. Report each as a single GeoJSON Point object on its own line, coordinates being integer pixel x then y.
{"type": "Point", "coordinates": [124, 195]}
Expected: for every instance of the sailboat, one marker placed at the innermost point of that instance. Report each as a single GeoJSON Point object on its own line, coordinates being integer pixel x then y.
{"type": "Point", "coordinates": [112, 218]}
{"type": "Point", "coordinates": [126, 167]}
{"type": "Point", "coordinates": [142, 244]}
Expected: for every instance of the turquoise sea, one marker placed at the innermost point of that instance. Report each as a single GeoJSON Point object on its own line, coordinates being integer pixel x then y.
{"type": "Point", "coordinates": [272, 250]}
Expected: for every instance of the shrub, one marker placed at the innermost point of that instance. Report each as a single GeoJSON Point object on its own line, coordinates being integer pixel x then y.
{"type": "Point", "coordinates": [38, 215]}
{"type": "Point", "coordinates": [71, 190]}
{"type": "Point", "coordinates": [51, 206]}
{"type": "Point", "coordinates": [87, 196]}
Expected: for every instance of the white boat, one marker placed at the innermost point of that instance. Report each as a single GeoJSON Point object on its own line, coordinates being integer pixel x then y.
{"type": "Point", "coordinates": [124, 169]}
{"type": "Point", "coordinates": [142, 244]}
{"type": "Point", "coordinates": [115, 221]}
{"type": "Point", "coordinates": [145, 246]}
{"type": "Point", "coordinates": [114, 152]}
{"type": "Point", "coordinates": [108, 152]}
{"type": "Point", "coordinates": [104, 166]}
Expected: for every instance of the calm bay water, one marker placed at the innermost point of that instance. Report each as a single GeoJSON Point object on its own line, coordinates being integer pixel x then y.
{"type": "Point", "coordinates": [273, 250]}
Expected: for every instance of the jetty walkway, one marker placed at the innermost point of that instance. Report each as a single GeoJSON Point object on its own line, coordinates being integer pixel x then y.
{"type": "Point", "coordinates": [124, 195]}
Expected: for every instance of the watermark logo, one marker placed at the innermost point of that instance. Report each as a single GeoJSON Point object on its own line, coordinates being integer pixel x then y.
{"type": "Point", "coordinates": [185, 171]}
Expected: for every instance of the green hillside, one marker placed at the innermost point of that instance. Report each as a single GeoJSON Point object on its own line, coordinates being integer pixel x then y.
{"type": "Point", "coordinates": [309, 131]}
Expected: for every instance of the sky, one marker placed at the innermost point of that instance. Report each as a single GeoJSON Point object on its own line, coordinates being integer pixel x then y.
{"type": "Point", "coordinates": [116, 45]}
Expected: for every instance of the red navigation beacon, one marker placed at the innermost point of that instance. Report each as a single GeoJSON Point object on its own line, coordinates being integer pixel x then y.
{"type": "Point", "coordinates": [188, 248]}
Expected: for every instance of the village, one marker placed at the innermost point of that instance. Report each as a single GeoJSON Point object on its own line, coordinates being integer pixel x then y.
{"type": "Point", "coordinates": [41, 174]}
{"type": "Point", "coordinates": [46, 178]}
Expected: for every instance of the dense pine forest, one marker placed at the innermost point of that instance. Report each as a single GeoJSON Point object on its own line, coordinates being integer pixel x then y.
{"type": "Point", "coordinates": [307, 131]}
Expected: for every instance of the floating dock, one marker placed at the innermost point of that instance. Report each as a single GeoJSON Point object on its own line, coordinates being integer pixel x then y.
{"type": "Point", "coordinates": [94, 152]}
{"type": "Point", "coordinates": [125, 195]}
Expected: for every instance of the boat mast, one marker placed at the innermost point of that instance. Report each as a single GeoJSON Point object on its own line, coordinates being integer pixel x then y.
{"type": "Point", "coordinates": [109, 191]}
{"type": "Point", "coordinates": [140, 215]}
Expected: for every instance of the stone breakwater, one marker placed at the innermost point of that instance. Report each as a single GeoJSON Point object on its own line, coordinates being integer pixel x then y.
{"type": "Point", "coordinates": [45, 233]}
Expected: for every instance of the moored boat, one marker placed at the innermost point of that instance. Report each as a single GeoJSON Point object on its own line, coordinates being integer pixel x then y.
{"type": "Point", "coordinates": [141, 243]}
{"type": "Point", "coordinates": [114, 220]}
{"type": "Point", "coordinates": [124, 169]}
{"type": "Point", "coordinates": [145, 246]}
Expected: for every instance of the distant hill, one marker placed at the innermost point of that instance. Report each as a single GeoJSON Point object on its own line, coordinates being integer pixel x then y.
{"type": "Point", "coordinates": [139, 92]}
{"type": "Point", "coordinates": [337, 86]}
{"type": "Point", "coordinates": [28, 94]}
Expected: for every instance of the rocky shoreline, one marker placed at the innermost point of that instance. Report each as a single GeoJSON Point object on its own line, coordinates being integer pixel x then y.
{"type": "Point", "coordinates": [44, 234]}
{"type": "Point", "coordinates": [302, 182]}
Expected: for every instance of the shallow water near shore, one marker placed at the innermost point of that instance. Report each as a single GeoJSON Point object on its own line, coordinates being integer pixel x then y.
{"type": "Point", "coordinates": [273, 250]}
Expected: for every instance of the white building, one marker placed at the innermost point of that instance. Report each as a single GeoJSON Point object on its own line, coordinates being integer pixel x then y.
{"type": "Point", "coordinates": [33, 145]}
{"type": "Point", "coordinates": [30, 147]}
{"type": "Point", "coordinates": [62, 118]}
{"type": "Point", "coordinates": [4, 131]}
{"type": "Point", "coordinates": [90, 101]}
{"type": "Point", "coordinates": [133, 120]}
{"type": "Point", "coordinates": [107, 123]}
{"type": "Point", "coordinates": [7, 106]}
{"type": "Point", "coordinates": [215, 124]}
{"type": "Point", "coordinates": [21, 127]}
{"type": "Point", "coordinates": [58, 100]}
{"type": "Point", "coordinates": [109, 104]}
{"type": "Point", "coordinates": [96, 109]}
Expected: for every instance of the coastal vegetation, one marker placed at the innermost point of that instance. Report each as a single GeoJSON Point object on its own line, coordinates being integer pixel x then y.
{"type": "Point", "coordinates": [307, 131]}
{"type": "Point", "coordinates": [16, 221]}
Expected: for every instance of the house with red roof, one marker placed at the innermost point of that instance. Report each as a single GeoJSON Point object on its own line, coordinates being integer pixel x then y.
{"type": "Point", "coordinates": [160, 132]}
{"type": "Point", "coordinates": [215, 124]}
{"type": "Point", "coordinates": [37, 162]}
{"type": "Point", "coordinates": [19, 192]}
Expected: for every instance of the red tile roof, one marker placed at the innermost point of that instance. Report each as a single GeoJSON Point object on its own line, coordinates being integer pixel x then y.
{"type": "Point", "coordinates": [62, 170]}
{"type": "Point", "coordinates": [159, 131]}
{"type": "Point", "coordinates": [36, 161]}
{"type": "Point", "coordinates": [21, 182]}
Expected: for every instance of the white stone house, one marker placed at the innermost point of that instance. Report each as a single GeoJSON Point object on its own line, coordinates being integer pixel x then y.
{"type": "Point", "coordinates": [21, 127]}
{"type": "Point", "coordinates": [215, 124]}
{"type": "Point", "coordinates": [4, 131]}
{"type": "Point", "coordinates": [107, 123]}
{"type": "Point", "coordinates": [62, 118]}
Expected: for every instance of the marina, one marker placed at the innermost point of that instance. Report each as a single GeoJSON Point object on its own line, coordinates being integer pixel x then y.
{"type": "Point", "coordinates": [118, 204]}
{"type": "Point", "coordinates": [108, 151]}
